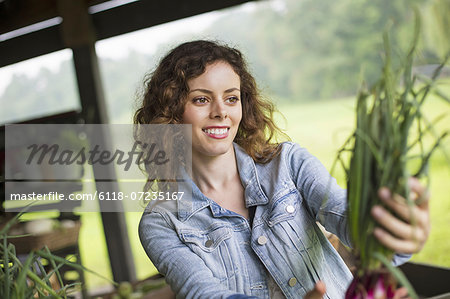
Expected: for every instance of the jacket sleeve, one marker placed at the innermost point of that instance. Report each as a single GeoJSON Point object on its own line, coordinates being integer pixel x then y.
{"type": "Point", "coordinates": [325, 199]}
{"type": "Point", "coordinates": [184, 271]}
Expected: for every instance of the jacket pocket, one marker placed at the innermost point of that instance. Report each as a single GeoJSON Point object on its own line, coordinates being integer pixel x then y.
{"type": "Point", "coordinates": [284, 207]}
{"type": "Point", "coordinates": [207, 240]}
{"type": "Point", "coordinates": [213, 247]}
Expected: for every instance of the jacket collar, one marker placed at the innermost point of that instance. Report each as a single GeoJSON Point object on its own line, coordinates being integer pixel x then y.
{"type": "Point", "coordinates": [194, 200]}
{"type": "Point", "coordinates": [254, 195]}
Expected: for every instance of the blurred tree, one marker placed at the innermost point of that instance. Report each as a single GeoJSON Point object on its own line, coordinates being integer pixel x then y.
{"type": "Point", "coordinates": [311, 49]}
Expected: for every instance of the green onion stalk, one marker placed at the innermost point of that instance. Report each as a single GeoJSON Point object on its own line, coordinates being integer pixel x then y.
{"type": "Point", "coordinates": [386, 115]}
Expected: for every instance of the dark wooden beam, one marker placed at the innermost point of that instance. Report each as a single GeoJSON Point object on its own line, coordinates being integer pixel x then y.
{"type": "Point", "coordinates": [19, 13]}
{"type": "Point", "coordinates": [15, 14]}
{"type": "Point", "coordinates": [143, 14]}
{"type": "Point", "coordinates": [108, 23]}
{"type": "Point", "coordinates": [30, 45]}
{"type": "Point", "coordinates": [79, 36]}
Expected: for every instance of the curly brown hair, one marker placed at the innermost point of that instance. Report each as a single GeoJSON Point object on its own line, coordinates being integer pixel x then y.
{"type": "Point", "coordinates": [167, 88]}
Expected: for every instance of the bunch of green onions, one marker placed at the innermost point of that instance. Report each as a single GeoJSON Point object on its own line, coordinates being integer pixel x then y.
{"type": "Point", "coordinates": [386, 115]}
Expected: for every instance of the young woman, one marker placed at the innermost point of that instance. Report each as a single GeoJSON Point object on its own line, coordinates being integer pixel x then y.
{"type": "Point", "coordinates": [249, 229]}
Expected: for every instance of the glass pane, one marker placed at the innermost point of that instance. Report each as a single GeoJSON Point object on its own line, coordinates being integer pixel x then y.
{"type": "Point", "coordinates": [38, 87]}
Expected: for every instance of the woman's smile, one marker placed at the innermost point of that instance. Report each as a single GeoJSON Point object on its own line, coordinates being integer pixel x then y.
{"type": "Point", "coordinates": [216, 132]}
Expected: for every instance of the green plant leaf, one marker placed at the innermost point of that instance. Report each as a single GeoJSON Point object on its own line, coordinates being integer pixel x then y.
{"type": "Point", "coordinates": [401, 278]}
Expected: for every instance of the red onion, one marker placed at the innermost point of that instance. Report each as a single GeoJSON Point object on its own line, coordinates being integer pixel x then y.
{"type": "Point", "coordinates": [372, 285]}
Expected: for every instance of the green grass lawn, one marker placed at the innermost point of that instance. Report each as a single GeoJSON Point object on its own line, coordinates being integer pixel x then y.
{"type": "Point", "coordinates": [321, 127]}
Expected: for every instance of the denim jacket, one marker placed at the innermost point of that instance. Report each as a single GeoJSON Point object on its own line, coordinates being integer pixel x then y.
{"type": "Point", "coordinates": [206, 251]}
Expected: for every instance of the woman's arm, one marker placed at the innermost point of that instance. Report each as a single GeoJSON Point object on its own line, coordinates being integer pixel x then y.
{"type": "Point", "coordinates": [405, 233]}
{"type": "Point", "coordinates": [185, 272]}
{"type": "Point", "coordinates": [322, 196]}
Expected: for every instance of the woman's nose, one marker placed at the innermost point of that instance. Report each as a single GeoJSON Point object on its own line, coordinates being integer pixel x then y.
{"type": "Point", "coordinates": [218, 109]}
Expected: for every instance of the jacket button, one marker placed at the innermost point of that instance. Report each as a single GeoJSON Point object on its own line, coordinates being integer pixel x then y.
{"type": "Point", "coordinates": [209, 243]}
{"type": "Point", "coordinates": [292, 281]}
{"type": "Point", "coordinates": [290, 209]}
{"type": "Point", "coordinates": [262, 240]}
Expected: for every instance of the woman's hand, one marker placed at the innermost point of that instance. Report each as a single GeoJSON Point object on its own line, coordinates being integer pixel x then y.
{"type": "Point", "coordinates": [318, 292]}
{"type": "Point", "coordinates": [407, 231]}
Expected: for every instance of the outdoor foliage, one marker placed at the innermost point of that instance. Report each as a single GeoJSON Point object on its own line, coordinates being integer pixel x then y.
{"type": "Point", "coordinates": [31, 278]}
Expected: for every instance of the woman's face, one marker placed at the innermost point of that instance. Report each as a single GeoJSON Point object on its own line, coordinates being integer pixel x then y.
{"type": "Point", "coordinates": [213, 108]}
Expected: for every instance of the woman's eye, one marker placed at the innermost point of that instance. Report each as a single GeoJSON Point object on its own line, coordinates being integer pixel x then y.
{"type": "Point", "coordinates": [232, 100]}
{"type": "Point", "coordinates": [200, 100]}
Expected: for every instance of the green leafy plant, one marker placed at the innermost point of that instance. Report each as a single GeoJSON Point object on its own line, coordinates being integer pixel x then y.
{"type": "Point", "coordinates": [382, 151]}
{"type": "Point", "coordinates": [30, 279]}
